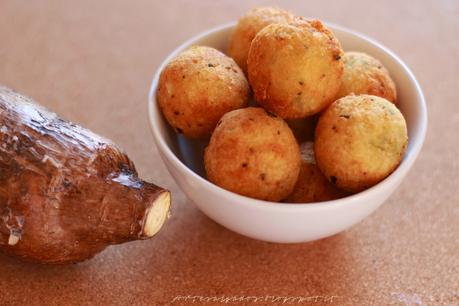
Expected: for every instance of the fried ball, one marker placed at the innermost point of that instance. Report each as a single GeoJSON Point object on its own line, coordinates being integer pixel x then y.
{"type": "Point", "coordinates": [198, 87]}
{"type": "Point", "coordinates": [359, 141]}
{"type": "Point", "coordinates": [248, 26]}
{"type": "Point", "coordinates": [364, 74]}
{"type": "Point", "coordinates": [295, 70]}
{"type": "Point", "coordinates": [312, 185]}
{"type": "Point", "coordinates": [253, 153]}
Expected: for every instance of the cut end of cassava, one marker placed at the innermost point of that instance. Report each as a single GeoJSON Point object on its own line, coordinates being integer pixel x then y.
{"type": "Point", "coordinates": [157, 214]}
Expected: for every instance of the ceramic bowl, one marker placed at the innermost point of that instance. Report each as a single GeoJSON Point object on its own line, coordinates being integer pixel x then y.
{"type": "Point", "coordinates": [283, 222]}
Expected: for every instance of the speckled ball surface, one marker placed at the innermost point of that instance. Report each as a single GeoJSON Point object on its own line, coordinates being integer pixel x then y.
{"type": "Point", "coordinates": [253, 153]}
{"type": "Point", "coordinates": [359, 141]}
{"type": "Point", "coordinates": [295, 69]}
{"type": "Point", "coordinates": [364, 74]}
{"type": "Point", "coordinates": [248, 26]}
{"type": "Point", "coordinates": [198, 87]}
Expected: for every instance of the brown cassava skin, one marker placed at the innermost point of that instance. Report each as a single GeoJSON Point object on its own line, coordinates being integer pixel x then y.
{"type": "Point", "coordinates": [65, 193]}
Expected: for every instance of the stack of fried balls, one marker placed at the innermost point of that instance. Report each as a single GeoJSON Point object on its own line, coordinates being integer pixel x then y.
{"type": "Point", "coordinates": [322, 123]}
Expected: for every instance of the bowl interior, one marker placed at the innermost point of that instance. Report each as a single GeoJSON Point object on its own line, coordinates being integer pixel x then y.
{"type": "Point", "coordinates": [410, 99]}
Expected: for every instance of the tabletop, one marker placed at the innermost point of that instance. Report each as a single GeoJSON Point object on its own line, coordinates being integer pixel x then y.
{"type": "Point", "coordinates": [92, 62]}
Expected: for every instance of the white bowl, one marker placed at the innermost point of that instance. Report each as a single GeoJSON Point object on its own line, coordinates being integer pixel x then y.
{"type": "Point", "coordinates": [281, 222]}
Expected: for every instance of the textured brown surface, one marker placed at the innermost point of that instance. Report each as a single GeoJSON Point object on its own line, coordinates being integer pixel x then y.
{"type": "Point", "coordinates": [66, 193]}
{"type": "Point", "coordinates": [92, 61]}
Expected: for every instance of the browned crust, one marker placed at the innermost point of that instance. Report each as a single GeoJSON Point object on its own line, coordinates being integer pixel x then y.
{"type": "Point", "coordinates": [359, 141]}
{"type": "Point", "coordinates": [198, 87]}
{"type": "Point", "coordinates": [254, 154]}
{"type": "Point", "coordinates": [364, 74]}
{"type": "Point", "coordinates": [248, 26]}
{"type": "Point", "coordinates": [295, 69]}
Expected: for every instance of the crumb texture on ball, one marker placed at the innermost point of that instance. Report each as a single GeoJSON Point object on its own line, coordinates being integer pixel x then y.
{"type": "Point", "coordinates": [364, 74]}
{"type": "Point", "coordinates": [253, 153]}
{"type": "Point", "coordinates": [198, 87]}
{"type": "Point", "coordinates": [312, 185]}
{"type": "Point", "coordinates": [248, 26]}
{"type": "Point", "coordinates": [359, 141]}
{"type": "Point", "coordinates": [295, 69]}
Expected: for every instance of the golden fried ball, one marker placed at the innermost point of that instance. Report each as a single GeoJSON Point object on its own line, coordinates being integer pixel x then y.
{"type": "Point", "coordinates": [295, 70]}
{"type": "Point", "coordinates": [198, 87]}
{"type": "Point", "coordinates": [312, 185]}
{"type": "Point", "coordinates": [253, 153]}
{"type": "Point", "coordinates": [359, 141]}
{"type": "Point", "coordinates": [364, 74]}
{"type": "Point", "coordinates": [248, 26]}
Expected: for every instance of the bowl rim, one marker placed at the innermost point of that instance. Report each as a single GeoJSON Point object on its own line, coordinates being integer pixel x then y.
{"type": "Point", "coordinates": [400, 171]}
